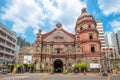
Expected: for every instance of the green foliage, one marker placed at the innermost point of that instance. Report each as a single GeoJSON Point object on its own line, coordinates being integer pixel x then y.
{"type": "Point", "coordinates": [20, 65]}
{"type": "Point", "coordinates": [5, 63]}
{"type": "Point", "coordinates": [15, 65]}
{"type": "Point", "coordinates": [67, 70]}
{"type": "Point", "coordinates": [47, 69]}
{"type": "Point", "coordinates": [117, 67]}
{"type": "Point", "coordinates": [83, 65]}
{"type": "Point", "coordinates": [76, 65]}
{"type": "Point", "coordinates": [31, 65]}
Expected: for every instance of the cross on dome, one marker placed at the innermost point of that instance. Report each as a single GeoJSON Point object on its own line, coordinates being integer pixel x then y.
{"type": "Point", "coordinates": [83, 10]}
{"type": "Point", "coordinates": [58, 25]}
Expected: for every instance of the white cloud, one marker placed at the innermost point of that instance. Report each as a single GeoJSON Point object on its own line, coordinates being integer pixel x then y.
{"type": "Point", "coordinates": [109, 6]}
{"type": "Point", "coordinates": [23, 14]}
{"type": "Point", "coordinates": [36, 13]}
{"type": "Point", "coordinates": [115, 24]}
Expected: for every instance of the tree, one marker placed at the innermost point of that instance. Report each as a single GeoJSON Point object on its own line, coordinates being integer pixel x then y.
{"type": "Point", "coordinates": [76, 67]}
{"type": "Point", "coordinates": [30, 66]}
{"type": "Point", "coordinates": [83, 66]}
{"type": "Point", "coordinates": [15, 68]}
{"type": "Point", "coordinates": [15, 65]}
{"type": "Point", "coordinates": [18, 67]}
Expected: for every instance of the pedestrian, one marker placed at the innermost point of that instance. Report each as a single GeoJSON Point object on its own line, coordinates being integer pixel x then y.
{"type": "Point", "coordinates": [84, 72]}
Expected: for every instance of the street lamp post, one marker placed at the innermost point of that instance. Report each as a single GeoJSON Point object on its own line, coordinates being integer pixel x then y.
{"type": "Point", "coordinates": [100, 65]}
{"type": "Point", "coordinates": [108, 61]}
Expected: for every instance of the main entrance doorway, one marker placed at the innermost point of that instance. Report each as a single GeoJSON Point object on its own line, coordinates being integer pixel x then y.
{"type": "Point", "coordinates": [58, 66]}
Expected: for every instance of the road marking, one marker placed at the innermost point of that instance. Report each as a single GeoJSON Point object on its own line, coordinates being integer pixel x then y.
{"type": "Point", "coordinates": [15, 77]}
{"type": "Point", "coordinates": [108, 77]}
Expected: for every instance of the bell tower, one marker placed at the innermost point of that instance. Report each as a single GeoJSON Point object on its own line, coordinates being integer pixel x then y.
{"type": "Point", "coordinates": [38, 51]}
{"type": "Point", "coordinates": [87, 33]}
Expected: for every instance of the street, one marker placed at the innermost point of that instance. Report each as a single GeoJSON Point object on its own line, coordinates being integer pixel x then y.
{"type": "Point", "coordinates": [47, 76]}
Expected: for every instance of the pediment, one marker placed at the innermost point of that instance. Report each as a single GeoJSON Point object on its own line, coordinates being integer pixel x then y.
{"type": "Point", "coordinates": [58, 35]}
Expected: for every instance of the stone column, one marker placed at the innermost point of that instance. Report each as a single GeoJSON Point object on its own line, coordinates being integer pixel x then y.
{"type": "Point", "coordinates": [51, 68]}
{"type": "Point", "coordinates": [38, 66]}
{"type": "Point", "coordinates": [51, 64]}
{"type": "Point", "coordinates": [63, 68]}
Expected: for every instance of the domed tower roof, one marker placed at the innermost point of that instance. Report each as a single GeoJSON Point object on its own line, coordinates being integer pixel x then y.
{"type": "Point", "coordinates": [84, 17]}
{"type": "Point", "coordinates": [84, 13]}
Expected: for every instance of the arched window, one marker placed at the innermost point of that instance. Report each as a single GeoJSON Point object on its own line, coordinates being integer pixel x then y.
{"type": "Point", "coordinates": [92, 49]}
{"type": "Point", "coordinates": [111, 55]}
{"type": "Point", "coordinates": [78, 37]}
{"type": "Point", "coordinates": [81, 28]}
{"type": "Point", "coordinates": [90, 37]}
{"type": "Point", "coordinates": [58, 51]}
{"type": "Point", "coordinates": [89, 26]}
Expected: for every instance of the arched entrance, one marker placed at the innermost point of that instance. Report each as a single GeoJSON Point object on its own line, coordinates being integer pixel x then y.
{"type": "Point", "coordinates": [58, 66]}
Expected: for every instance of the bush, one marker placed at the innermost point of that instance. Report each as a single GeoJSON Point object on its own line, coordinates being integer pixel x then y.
{"type": "Point", "coordinates": [83, 65]}
{"type": "Point", "coordinates": [19, 65]}
{"type": "Point", "coordinates": [116, 68]}
{"type": "Point", "coordinates": [76, 65]}
{"type": "Point", "coordinates": [31, 66]}
{"type": "Point", "coordinates": [15, 65]}
{"type": "Point", "coordinates": [67, 70]}
{"type": "Point", "coordinates": [47, 69]}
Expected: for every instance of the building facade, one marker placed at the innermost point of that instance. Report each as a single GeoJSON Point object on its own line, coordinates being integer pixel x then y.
{"type": "Point", "coordinates": [8, 46]}
{"type": "Point", "coordinates": [108, 60]}
{"type": "Point", "coordinates": [59, 49]}
{"type": "Point", "coordinates": [21, 42]}
{"type": "Point", "coordinates": [109, 52]}
{"type": "Point", "coordinates": [101, 36]}
{"type": "Point", "coordinates": [25, 55]}
{"type": "Point", "coordinates": [116, 41]}
{"type": "Point", "coordinates": [108, 40]}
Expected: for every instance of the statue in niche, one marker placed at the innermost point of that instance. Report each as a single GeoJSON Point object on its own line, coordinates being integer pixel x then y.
{"type": "Point", "coordinates": [38, 48]}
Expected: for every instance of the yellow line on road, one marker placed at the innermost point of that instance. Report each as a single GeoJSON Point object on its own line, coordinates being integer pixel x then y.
{"type": "Point", "coordinates": [108, 77]}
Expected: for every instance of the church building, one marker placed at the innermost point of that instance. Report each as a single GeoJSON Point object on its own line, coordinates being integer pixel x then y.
{"type": "Point", "coordinates": [60, 49]}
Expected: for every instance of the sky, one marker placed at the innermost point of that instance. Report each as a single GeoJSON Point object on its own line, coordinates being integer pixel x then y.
{"type": "Point", "coordinates": [26, 17]}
